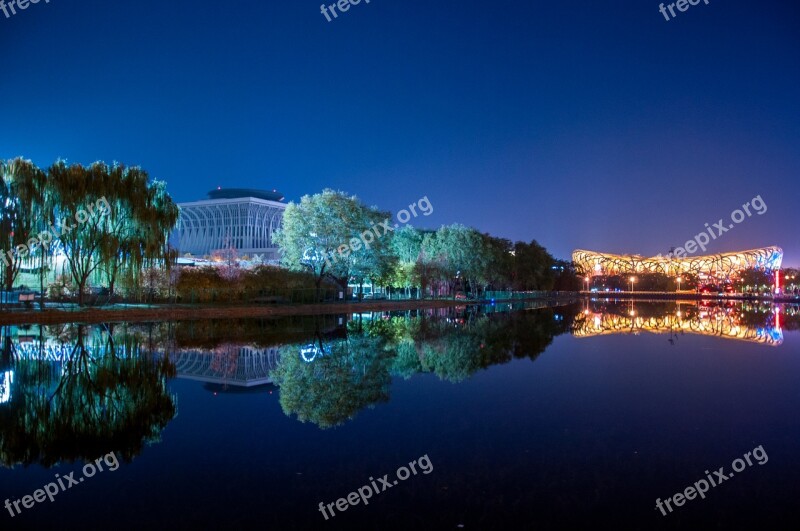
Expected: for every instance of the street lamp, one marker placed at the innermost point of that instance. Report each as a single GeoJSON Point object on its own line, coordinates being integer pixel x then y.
{"type": "Point", "coordinates": [632, 279]}
{"type": "Point", "coordinates": [679, 282]}
{"type": "Point", "coordinates": [587, 278]}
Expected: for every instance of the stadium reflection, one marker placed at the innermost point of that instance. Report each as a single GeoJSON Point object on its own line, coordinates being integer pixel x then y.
{"type": "Point", "coordinates": [741, 321]}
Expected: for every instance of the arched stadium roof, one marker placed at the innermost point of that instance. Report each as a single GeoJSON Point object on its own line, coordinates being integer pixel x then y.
{"type": "Point", "coordinates": [724, 264]}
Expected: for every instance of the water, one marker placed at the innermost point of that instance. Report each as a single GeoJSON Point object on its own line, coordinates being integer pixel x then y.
{"type": "Point", "coordinates": [552, 418]}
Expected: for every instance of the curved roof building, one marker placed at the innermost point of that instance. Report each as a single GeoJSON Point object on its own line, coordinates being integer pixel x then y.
{"type": "Point", "coordinates": [715, 265]}
{"type": "Point", "coordinates": [237, 193]}
{"type": "Point", "coordinates": [232, 218]}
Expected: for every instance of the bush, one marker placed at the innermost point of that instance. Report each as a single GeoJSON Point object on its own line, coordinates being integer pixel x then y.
{"type": "Point", "coordinates": [213, 284]}
{"type": "Point", "coordinates": [63, 287]}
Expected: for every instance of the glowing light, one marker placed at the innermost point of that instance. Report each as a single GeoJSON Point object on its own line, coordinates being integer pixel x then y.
{"type": "Point", "coordinates": [703, 323]}
{"type": "Point", "coordinates": [719, 265]}
{"type": "Point", "coordinates": [5, 386]}
{"type": "Point", "coordinates": [310, 352]}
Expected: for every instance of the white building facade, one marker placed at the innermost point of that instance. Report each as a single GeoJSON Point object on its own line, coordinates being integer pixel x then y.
{"type": "Point", "coordinates": [232, 219]}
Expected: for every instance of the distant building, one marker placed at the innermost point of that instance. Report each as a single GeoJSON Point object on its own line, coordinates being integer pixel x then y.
{"type": "Point", "coordinates": [232, 220]}
{"type": "Point", "coordinates": [719, 266]}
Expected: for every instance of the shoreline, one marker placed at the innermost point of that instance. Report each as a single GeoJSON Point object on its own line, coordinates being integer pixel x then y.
{"type": "Point", "coordinates": [188, 313]}
{"type": "Point", "coordinates": [183, 313]}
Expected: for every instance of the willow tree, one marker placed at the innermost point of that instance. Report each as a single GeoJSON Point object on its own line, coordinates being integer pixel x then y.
{"type": "Point", "coordinates": [498, 264]}
{"type": "Point", "coordinates": [75, 189]}
{"type": "Point", "coordinates": [8, 212]}
{"type": "Point", "coordinates": [142, 215]}
{"type": "Point", "coordinates": [20, 216]}
{"type": "Point", "coordinates": [159, 220]}
{"type": "Point", "coordinates": [112, 218]}
{"type": "Point", "coordinates": [119, 247]}
{"type": "Point", "coordinates": [33, 191]}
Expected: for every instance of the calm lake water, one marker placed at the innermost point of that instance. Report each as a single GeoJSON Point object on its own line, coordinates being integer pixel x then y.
{"type": "Point", "coordinates": [564, 417]}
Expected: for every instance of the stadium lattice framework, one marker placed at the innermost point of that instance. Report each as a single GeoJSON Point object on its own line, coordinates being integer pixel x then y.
{"type": "Point", "coordinates": [722, 265]}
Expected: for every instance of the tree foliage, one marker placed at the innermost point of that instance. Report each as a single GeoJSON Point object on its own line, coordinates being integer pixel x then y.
{"type": "Point", "coordinates": [101, 218]}
{"type": "Point", "coordinates": [324, 234]}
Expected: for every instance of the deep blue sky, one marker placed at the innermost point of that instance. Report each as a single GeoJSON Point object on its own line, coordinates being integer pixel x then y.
{"type": "Point", "coordinates": [578, 123]}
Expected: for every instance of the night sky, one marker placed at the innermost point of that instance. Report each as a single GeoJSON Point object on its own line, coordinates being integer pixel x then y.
{"type": "Point", "coordinates": [582, 124]}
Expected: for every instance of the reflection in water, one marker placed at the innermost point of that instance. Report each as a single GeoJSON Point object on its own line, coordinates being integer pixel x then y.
{"type": "Point", "coordinates": [327, 383]}
{"type": "Point", "coordinates": [243, 354]}
{"type": "Point", "coordinates": [79, 392]}
{"type": "Point", "coordinates": [334, 387]}
{"type": "Point", "coordinates": [76, 392]}
{"type": "Point", "coordinates": [228, 365]}
{"type": "Point", "coordinates": [742, 322]}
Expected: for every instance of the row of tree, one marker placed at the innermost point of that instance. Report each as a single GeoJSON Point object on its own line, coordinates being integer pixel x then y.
{"type": "Point", "coordinates": [335, 236]}
{"type": "Point", "coordinates": [101, 219]}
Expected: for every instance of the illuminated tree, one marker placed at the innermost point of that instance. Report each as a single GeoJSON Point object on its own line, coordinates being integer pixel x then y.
{"type": "Point", "coordinates": [23, 214]}
{"type": "Point", "coordinates": [128, 226]}
{"type": "Point", "coordinates": [317, 228]}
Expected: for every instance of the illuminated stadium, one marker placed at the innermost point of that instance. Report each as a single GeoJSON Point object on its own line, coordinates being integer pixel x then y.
{"type": "Point", "coordinates": [720, 266]}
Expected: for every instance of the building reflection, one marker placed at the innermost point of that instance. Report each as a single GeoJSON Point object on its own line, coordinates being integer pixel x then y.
{"type": "Point", "coordinates": [228, 365]}
{"type": "Point", "coordinates": [728, 320]}
{"type": "Point", "coordinates": [76, 392]}
{"type": "Point", "coordinates": [72, 392]}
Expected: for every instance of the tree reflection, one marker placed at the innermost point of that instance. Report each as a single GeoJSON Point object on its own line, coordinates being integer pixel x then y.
{"type": "Point", "coordinates": [80, 399]}
{"type": "Point", "coordinates": [343, 378]}
{"type": "Point", "coordinates": [461, 347]}
{"type": "Point", "coordinates": [327, 382]}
